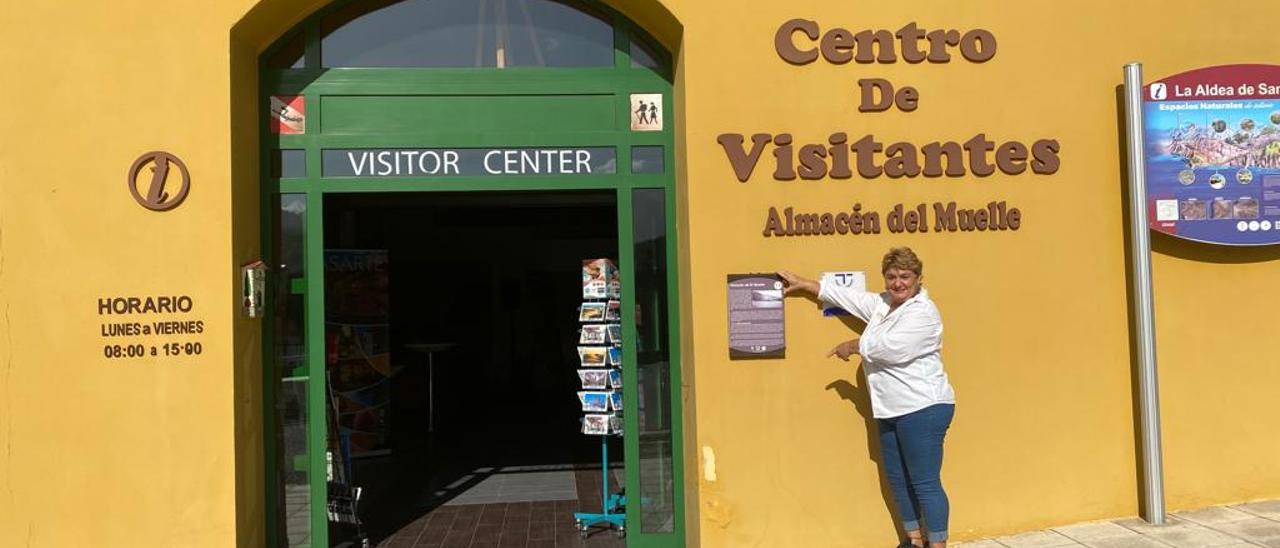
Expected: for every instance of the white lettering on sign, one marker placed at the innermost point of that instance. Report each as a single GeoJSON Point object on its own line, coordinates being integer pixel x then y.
{"type": "Point", "coordinates": [537, 162]}
{"type": "Point", "coordinates": [404, 162]}
{"type": "Point", "coordinates": [509, 161]}
{"type": "Point", "coordinates": [488, 155]}
{"type": "Point", "coordinates": [422, 162]}
{"type": "Point", "coordinates": [358, 168]}
{"type": "Point", "coordinates": [382, 161]}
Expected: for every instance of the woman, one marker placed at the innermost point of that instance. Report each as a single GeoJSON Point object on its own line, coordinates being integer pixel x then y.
{"type": "Point", "coordinates": [910, 397]}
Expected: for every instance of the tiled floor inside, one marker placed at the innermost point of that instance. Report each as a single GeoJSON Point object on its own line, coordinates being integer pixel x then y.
{"type": "Point", "coordinates": [519, 484]}
{"type": "Point", "coordinates": [466, 483]}
{"type": "Point", "coordinates": [525, 524]}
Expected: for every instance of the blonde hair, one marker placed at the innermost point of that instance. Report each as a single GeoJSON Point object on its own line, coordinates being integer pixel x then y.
{"type": "Point", "coordinates": [902, 258]}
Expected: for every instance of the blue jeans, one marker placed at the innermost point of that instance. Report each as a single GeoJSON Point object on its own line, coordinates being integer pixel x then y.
{"type": "Point", "coordinates": [911, 448]}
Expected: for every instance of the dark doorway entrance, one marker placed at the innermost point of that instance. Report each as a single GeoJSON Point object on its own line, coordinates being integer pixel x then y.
{"type": "Point", "coordinates": [474, 440]}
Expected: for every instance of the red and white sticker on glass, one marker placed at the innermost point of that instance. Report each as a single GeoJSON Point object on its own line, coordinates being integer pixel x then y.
{"type": "Point", "coordinates": [288, 114]}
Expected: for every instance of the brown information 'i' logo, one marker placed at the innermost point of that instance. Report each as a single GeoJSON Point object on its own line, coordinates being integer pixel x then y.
{"type": "Point", "coordinates": [156, 198]}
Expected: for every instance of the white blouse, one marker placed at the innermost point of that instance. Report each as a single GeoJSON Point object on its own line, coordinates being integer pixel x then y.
{"type": "Point", "coordinates": [900, 351]}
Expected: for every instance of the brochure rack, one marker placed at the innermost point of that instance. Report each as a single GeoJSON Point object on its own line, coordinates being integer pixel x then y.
{"type": "Point", "coordinates": [600, 358]}
{"type": "Point", "coordinates": [343, 506]}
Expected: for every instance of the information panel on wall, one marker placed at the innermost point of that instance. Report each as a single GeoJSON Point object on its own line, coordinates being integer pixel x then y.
{"type": "Point", "coordinates": [756, 320]}
{"type": "Point", "coordinates": [1213, 154]}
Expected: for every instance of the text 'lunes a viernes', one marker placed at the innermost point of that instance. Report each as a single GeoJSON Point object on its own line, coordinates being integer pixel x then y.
{"type": "Point", "coordinates": [127, 319]}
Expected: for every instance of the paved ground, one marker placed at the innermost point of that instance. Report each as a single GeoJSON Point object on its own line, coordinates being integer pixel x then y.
{"type": "Point", "coordinates": [1240, 525]}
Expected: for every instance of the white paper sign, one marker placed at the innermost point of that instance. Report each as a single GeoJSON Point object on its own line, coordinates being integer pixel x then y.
{"type": "Point", "coordinates": [856, 280]}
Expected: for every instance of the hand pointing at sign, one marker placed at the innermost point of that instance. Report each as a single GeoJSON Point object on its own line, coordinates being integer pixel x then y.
{"type": "Point", "coordinates": [797, 285]}
{"type": "Point", "coordinates": [844, 350]}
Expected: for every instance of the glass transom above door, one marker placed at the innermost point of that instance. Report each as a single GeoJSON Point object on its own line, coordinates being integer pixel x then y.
{"type": "Point", "coordinates": [466, 33]}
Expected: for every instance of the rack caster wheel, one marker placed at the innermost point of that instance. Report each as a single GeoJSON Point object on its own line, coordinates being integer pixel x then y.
{"type": "Point", "coordinates": [582, 534]}
{"type": "Point", "coordinates": [620, 533]}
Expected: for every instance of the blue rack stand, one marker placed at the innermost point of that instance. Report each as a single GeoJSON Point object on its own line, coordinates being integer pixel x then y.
{"type": "Point", "coordinates": [613, 514]}
{"type": "Point", "coordinates": [599, 285]}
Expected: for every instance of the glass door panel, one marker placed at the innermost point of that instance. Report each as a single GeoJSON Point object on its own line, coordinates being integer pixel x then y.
{"type": "Point", "coordinates": [287, 372]}
{"type": "Point", "coordinates": [654, 418]}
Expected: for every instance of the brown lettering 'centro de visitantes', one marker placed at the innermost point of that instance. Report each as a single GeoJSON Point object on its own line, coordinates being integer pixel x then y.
{"type": "Point", "coordinates": [156, 199]}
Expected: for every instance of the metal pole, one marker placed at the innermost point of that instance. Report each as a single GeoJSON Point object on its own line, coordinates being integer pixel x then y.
{"type": "Point", "coordinates": [604, 496]}
{"type": "Point", "coordinates": [1152, 461]}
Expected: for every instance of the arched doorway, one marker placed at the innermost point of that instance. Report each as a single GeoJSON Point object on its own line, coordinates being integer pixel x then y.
{"type": "Point", "coordinates": [400, 115]}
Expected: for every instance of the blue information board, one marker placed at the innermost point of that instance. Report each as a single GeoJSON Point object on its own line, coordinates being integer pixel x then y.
{"type": "Point", "coordinates": [1213, 154]}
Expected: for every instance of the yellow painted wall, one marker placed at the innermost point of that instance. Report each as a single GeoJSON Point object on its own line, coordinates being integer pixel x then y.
{"type": "Point", "coordinates": [1037, 338]}
{"type": "Point", "coordinates": [119, 452]}
{"type": "Point", "coordinates": [1219, 409]}
{"type": "Point", "coordinates": [1043, 431]}
{"type": "Point", "coordinates": [99, 452]}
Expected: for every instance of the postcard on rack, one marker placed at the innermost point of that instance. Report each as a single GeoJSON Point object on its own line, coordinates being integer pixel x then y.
{"type": "Point", "coordinates": [594, 402]}
{"type": "Point", "coordinates": [592, 334]}
{"type": "Point", "coordinates": [598, 275]}
{"type": "Point", "coordinates": [613, 312]}
{"type": "Point", "coordinates": [615, 333]}
{"type": "Point", "coordinates": [615, 424]}
{"type": "Point", "coordinates": [592, 356]}
{"type": "Point", "coordinates": [596, 425]}
{"type": "Point", "coordinates": [592, 312]}
{"type": "Point", "coordinates": [615, 400]}
{"type": "Point", "coordinates": [593, 379]}
{"type": "Point", "coordinates": [615, 379]}
{"type": "Point", "coordinates": [615, 356]}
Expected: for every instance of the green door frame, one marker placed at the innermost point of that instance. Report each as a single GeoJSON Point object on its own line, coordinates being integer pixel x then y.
{"type": "Point", "coordinates": [314, 83]}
